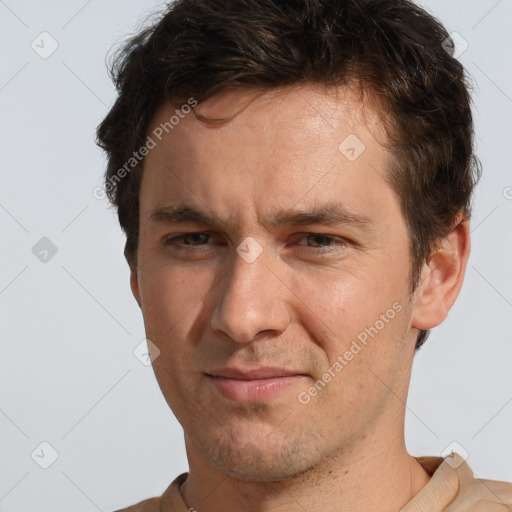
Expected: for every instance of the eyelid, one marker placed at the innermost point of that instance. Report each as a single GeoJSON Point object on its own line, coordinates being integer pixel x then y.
{"type": "Point", "coordinates": [336, 238]}
{"type": "Point", "coordinates": [168, 239]}
{"type": "Point", "coordinates": [337, 241]}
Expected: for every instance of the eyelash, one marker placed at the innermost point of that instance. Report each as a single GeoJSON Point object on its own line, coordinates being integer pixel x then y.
{"type": "Point", "coordinates": [337, 241]}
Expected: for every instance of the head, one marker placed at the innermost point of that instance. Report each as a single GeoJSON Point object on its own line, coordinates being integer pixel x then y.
{"type": "Point", "coordinates": [271, 101]}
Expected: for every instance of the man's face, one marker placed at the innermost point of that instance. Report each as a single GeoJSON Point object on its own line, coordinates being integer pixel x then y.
{"type": "Point", "coordinates": [245, 261]}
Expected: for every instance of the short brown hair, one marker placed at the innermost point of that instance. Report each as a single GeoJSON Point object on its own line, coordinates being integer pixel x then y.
{"type": "Point", "coordinates": [393, 48]}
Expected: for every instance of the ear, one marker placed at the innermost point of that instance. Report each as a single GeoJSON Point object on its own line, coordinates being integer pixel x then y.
{"type": "Point", "coordinates": [134, 284]}
{"type": "Point", "coordinates": [441, 278]}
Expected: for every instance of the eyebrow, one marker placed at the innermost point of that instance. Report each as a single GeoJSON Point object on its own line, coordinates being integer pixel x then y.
{"type": "Point", "coordinates": [329, 214]}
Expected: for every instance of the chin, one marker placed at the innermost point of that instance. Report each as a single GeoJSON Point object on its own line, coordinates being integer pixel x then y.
{"type": "Point", "coordinates": [253, 463]}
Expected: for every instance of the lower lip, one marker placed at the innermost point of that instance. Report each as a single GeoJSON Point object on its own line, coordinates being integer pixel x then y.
{"type": "Point", "coordinates": [254, 390]}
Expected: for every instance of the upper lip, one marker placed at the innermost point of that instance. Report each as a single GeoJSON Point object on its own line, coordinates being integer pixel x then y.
{"type": "Point", "coordinates": [263, 372]}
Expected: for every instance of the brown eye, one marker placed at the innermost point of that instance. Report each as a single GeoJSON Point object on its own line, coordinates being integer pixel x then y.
{"type": "Point", "coordinates": [195, 238]}
{"type": "Point", "coordinates": [190, 239]}
{"type": "Point", "coordinates": [318, 243]}
{"type": "Point", "coordinates": [320, 240]}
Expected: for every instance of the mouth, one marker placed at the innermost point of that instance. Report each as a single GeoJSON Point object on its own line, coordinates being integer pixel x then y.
{"type": "Point", "coordinates": [254, 385]}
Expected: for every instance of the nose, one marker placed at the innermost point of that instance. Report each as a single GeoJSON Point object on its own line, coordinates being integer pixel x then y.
{"type": "Point", "coordinates": [251, 299]}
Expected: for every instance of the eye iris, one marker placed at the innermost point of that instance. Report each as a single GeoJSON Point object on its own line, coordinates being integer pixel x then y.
{"type": "Point", "coordinates": [194, 238]}
{"type": "Point", "coordinates": [319, 240]}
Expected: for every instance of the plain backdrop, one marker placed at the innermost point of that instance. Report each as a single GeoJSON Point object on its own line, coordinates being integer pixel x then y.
{"type": "Point", "coordinates": [69, 325]}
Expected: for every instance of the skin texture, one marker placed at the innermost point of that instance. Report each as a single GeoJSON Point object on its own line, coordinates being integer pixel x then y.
{"type": "Point", "coordinates": [299, 305]}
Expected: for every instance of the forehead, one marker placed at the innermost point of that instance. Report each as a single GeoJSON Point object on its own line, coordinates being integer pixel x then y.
{"type": "Point", "coordinates": [286, 109]}
{"type": "Point", "coordinates": [284, 145]}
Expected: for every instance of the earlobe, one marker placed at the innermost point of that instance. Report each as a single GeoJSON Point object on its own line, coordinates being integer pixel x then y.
{"type": "Point", "coordinates": [134, 285]}
{"type": "Point", "coordinates": [441, 279]}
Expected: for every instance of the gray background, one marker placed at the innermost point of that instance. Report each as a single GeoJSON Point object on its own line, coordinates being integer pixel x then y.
{"type": "Point", "coordinates": [69, 324]}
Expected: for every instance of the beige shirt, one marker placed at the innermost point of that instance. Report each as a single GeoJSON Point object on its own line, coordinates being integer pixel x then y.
{"type": "Point", "coordinates": [452, 488]}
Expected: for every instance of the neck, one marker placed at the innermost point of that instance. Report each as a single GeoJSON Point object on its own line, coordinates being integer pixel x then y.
{"type": "Point", "coordinates": [379, 476]}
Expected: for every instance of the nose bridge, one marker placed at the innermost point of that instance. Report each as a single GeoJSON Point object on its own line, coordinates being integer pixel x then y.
{"type": "Point", "coordinates": [250, 300]}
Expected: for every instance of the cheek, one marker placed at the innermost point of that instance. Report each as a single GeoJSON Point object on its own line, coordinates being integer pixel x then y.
{"type": "Point", "coordinates": [172, 298]}
{"type": "Point", "coordinates": [173, 301]}
{"type": "Point", "coordinates": [344, 301]}
{"type": "Point", "coordinates": [358, 330]}
{"type": "Point", "coordinates": [357, 317]}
